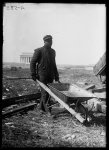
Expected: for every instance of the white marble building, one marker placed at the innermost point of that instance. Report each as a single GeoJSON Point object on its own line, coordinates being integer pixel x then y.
{"type": "Point", "coordinates": [26, 58]}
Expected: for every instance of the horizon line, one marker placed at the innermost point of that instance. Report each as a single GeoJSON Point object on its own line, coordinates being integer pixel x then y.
{"type": "Point", "coordinates": [57, 64]}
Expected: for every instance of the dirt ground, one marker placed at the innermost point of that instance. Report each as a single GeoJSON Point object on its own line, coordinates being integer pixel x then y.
{"type": "Point", "coordinates": [61, 129]}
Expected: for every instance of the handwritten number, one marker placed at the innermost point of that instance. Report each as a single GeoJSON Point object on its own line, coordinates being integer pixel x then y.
{"type": "Point", "coordinates": [14, 7]}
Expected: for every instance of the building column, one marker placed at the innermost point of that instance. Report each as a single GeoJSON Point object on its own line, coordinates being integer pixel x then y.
{"type": "Point", "coordinates": [27, 60]}
{"type": "Point", "coordinates": [22, 60]}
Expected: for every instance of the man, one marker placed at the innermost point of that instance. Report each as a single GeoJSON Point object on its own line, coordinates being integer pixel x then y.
{"type": "Point", "coordinates": [46, 71]}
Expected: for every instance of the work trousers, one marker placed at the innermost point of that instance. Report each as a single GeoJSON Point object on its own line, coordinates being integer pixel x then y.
{"type": "Point", "coordinates": [45, 97]}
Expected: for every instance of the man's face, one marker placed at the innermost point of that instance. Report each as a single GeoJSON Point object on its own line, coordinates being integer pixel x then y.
{"type": "Point", "coordinates": [48, 43]}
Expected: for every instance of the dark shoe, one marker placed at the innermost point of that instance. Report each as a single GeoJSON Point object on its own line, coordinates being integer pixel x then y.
{"type": "Point", "coordinates": [42, 112]}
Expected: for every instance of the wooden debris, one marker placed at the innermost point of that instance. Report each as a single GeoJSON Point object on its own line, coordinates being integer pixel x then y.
{"type": "Point", "coordinates": [89, 87]}
{"type": "Point", "coordinates": [95, 105]}
{"type": "Point", "coordinates": [19, 109]}
{"type": "Point", "coordinates": [20, 99]}
{"type": "Point", "coordinates": [101, 95]}
{"type": "Point", "coordinates": [99, 90]}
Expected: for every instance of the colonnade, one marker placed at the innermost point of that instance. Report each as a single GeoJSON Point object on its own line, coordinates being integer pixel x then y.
{"type": "Point", "coordinates": [25, 59]}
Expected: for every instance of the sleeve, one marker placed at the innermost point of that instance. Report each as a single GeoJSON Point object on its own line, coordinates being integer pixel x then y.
{"type": "Point", "coordinates": [35, 59]}
{"type": "Point", "coordinates": [55, 70]}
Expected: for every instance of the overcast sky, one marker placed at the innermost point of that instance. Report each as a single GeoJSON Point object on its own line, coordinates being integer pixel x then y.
{"type": "Point", "coordinates": [78, 30]}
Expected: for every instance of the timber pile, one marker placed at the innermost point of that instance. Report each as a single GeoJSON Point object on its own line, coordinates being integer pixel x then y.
{"type": "Point", "coordinates": [97, 105]}
{"type": "Point", "coordinates": [11, 106]}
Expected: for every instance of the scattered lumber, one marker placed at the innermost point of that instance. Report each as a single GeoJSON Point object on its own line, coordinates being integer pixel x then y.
{"type": "Point", "coordinates": [89, 87]}
{"type": "Point", "coordinates": [101, 95]}
{"type": "Point", "coordinates": [20, 99]}
{"type": "Point", "coordinates": [99, 90]}
{"type": "Point", "coordinates": [16, 78]}
{"type": "Point", "coordinates": [95, 105]}
{"type": "Point", "coordinates": [19, 109]}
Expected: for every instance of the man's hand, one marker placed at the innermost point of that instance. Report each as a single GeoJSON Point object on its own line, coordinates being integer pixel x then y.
{"type": "Point", "coordinates": [37, 76]}
{"type": "Point", "coordinates": [57, 81]}
{"type": "Point", "coordinates": [34, 77]}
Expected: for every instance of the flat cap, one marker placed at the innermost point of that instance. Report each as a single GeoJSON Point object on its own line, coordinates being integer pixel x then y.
{"type": "Point", "coordinates": [47, 37]}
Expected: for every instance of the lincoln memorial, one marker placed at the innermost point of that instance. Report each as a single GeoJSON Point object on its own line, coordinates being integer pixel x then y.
{"type": "Point", "coordinates": [26, 58]}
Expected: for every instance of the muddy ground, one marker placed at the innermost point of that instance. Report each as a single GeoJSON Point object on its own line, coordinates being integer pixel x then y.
{"type": "Point", "coordinates": [61, 129]}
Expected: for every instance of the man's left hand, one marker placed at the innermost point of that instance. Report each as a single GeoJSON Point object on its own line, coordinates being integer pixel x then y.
{"type": "Point", "coordinates": [58, 81]}
{"type": "Point", "coordinates": [34, 78]}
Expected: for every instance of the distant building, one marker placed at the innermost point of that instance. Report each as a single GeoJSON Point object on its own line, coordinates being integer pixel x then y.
{"type": "Point", "coordinates": [26, 58]}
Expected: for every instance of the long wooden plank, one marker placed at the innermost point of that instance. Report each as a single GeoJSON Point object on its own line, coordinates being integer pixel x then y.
{"type": "Point", "coordinates": [19, 99]}
{"type": "Point", "coordinates": [16, 78]}
{"type": "Point", "coordinates": [77, 115]}
{"type": "Point", "coordinates": [89, 87]}
{"type": "Point", "coordinates": [19, 109]}
{"type": "Point", "coordinates": [99, 90]}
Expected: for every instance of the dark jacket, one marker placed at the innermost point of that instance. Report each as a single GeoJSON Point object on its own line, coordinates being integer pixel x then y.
{"type": "Point", "coordinates": [46, 65]}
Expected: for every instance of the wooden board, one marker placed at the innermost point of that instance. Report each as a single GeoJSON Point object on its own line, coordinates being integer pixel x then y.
{"type": "Point", "coordinates": [100, 66]}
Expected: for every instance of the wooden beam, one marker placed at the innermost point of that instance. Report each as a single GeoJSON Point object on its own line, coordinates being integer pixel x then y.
{"type": "Point", "coordinates": [77, 115]}
{"type": "Point", "coordinates": [89, 87]}
{"type": "Point", "coordinates": [16, 78]}
{"type": "Point", "coordinates": [99, 90]}
{"type": "Point", "coordinates": [19, 99]}
{"type": "Point", "coordinates": [19, 109]}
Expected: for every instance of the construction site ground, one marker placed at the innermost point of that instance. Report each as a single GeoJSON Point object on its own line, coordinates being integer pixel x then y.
{"type": "Point", "coordinates": [61, 129]}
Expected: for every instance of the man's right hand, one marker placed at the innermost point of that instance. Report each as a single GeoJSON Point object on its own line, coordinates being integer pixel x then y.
{"type": "Point", "coordinates": [58, 81]}
{"type": "Point", "coordinates": [34, 77]}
